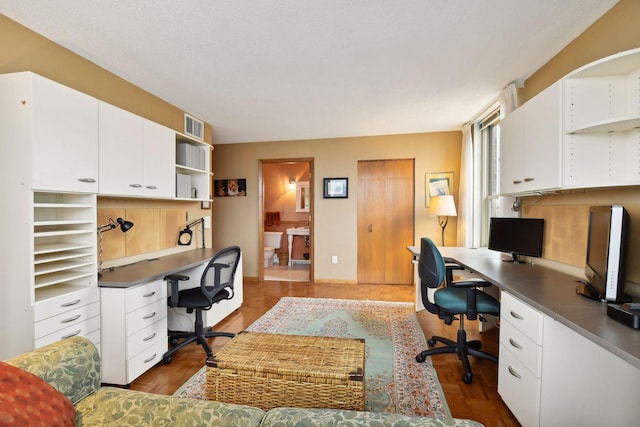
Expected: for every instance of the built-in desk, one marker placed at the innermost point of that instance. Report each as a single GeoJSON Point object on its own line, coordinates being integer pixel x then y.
{"type": "Point", "coordinates": [589, 364]}
{"type": "Point", "coordinates": [134, 313]}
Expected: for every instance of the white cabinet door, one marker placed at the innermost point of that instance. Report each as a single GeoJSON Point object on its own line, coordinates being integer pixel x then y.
{"type": "Point", "coordinates": [531, 144]}
{"type": "Point", "coordinates": [121, 151]}
{"type": "Point", "coordinates": [511, 145]}
{"type": "Point", "coordinates": [583, 384]}
{"type": "Point", "coordinates": [159, 160]}
{"type": "Point", "coordinates": [65, 138]}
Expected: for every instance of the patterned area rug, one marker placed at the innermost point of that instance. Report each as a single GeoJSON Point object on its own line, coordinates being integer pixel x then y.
{"type": "Point", "coordinates": [394, 381]}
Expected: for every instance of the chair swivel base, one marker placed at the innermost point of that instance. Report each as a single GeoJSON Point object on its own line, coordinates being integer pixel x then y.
{"type": "Point", "coordinates": [462, 348]}
{"type": "Point", "coordinates": [188, 338]}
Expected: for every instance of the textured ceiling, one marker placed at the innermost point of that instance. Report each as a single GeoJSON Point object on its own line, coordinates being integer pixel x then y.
{"type": "Point", "coordinates": [302, 69]}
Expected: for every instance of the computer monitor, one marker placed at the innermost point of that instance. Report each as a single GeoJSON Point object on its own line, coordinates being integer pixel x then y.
{"type": "Point", "coordinates": [517, 236]}
{"type": "Point", "coordinates": [605, 264]}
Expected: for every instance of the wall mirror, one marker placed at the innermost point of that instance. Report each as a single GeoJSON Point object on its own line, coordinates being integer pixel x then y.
{"type": "Point", "coordinates": [302, 196]}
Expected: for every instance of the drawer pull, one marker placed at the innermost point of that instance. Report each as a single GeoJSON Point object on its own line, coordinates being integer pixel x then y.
{"type": "Point", "coordinates": [86, 180]}
{"type": "Point", "coordinates": [69, 304]}
{"type": "Point", "coordinates": [72, 334]}
{"type": "Point", "coordinates": [529, 179]}
{"type": "Point", "coordinates": [514, 373]}
{"type": "Point", "coordinates": [149, 316]}
{"type": "Point", "coordinates": [516, 315]}
{"type": "Point", "coordinates": [151, 358]}
{"type": "Point", "coordinates": [515, 344]}
{"type": "Point", "coordinates": [150, 337]}
{"type": "Point", "coordinates": [150, 294]}
{"type": "Point", "coordinates": [135, 185]}
{"type": "Point", "coordinates": [152, 187]}
{"type": "Point", "coordinates": [71, 319]}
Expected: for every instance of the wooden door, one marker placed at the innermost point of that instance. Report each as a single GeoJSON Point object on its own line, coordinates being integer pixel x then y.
{"type": "Point", "coordinates": [385, 221]}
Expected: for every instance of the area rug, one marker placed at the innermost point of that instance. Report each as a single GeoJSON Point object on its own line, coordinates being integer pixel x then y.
{"type": "Point", "coordinates": [394, 381]}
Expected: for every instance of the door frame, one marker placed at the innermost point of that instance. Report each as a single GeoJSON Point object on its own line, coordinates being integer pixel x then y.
{"type": "Point", "coordinates": [262, 162]}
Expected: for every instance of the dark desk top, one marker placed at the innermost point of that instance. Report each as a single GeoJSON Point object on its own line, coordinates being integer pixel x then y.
{"type": "Point", "coordinates": [552, 293]}
{"type": "Point", "coordinates": [153, 269]}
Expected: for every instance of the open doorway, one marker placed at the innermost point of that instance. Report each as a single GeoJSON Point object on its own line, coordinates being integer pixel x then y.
{"type": "Point", "coordinates": [286, 226]}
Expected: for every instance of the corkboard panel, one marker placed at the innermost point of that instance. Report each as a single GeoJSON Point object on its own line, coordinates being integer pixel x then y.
{"type": "Point", "coordinates": [565, 231]}
{"type": "Point", "coordinates": [171, 222]}
{"type": "Point", "coordinates": [145, 235]}
{"type": "Point", "coordinates": [113, 241]}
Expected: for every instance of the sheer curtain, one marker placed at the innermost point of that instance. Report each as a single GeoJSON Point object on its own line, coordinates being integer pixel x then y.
{"type": "Point", "coordinates": [465, 189]}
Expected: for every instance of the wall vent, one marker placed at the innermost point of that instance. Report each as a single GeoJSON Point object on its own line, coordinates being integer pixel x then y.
{"type": "Point", "coordinates": [193, 127]}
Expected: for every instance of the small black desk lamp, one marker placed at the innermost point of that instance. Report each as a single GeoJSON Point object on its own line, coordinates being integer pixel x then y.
{"type": "Point", "coordinates": [184, 236]}
{"type": "Point", "coordinates": [124, 226]}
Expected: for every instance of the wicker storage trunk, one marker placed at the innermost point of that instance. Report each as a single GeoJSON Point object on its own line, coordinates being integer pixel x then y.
{"type": "Point", "coordinates": [271, 370]}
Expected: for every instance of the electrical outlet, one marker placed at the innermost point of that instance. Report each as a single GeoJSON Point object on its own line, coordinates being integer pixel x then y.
{"type": "Point", "coordinates": [334, 259]}
{"type": "Point", "coordinates": [207, 222]}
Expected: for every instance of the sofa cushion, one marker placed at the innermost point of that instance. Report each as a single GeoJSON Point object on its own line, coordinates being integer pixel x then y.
{"type": "Point", "coordinates": [110, 406]}
{"type": "Point", "coordinates": [71, 366]}
{"type": "Point", "coordinates": [294, 417]}
{"type": "Point", "coordinates": [28, 400]}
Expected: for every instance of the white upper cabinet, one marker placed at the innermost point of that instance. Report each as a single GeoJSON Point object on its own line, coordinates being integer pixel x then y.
{"type": "Point", "coordinates": [159, 160]}
{"type": "Point", "coordinates": [137, 156]}
{"type": "Point", "coordinates": [56, 128]}
{"type": "Point", "coordinates": [602, 123]}
{"type": "Point", "coordinates": [530, 145]}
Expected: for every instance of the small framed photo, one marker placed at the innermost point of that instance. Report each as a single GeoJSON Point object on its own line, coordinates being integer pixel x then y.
{"type": "Point", "coordinates": [336, 188]}
{"type": "Point", "coordinates": [205, 204]}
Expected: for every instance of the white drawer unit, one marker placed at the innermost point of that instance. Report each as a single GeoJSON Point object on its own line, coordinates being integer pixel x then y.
{"type": "Point", "coordinates": [520, 366]}
{"type": "Point", "coordinates": [134, 330]}
{"type": "Point", "coordinates": [68, 315]}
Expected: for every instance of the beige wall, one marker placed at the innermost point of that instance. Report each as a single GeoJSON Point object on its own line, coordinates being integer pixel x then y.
{"type": "Point", "coordinates": [23, 50]}
{"type": "Point", "coordinates": [236, 219]}
{"type": "Point", "coordinates": [567, 214]}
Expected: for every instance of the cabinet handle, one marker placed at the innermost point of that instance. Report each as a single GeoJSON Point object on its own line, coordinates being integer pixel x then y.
{"type": "Point", "coordinates": [71, 319]}
{"type": "Point", "coordinates": [86, 180]}
{"type": "Point", "coordinates": [517, 182]}
{"type": "Point", "coordinates": [69, 304]}
{"type": "Point", "coordinates": [529, 179]}
{"type": "Point", "coordinates": [150, 294]}
{"type": "Point", "coordinates": [149, 316]}
{"type": "Point", "coordinates": [150, 337]}
{"type": "Point", "coordinates": [370, 228]}
{"type": "Point", "coordinates": [515, 344]}
{"type": "Point", "coordinates": [72, 334]}
{"type": "Point", "coordinates": [151, 358]}
{"type": "Point", "coordinates": [135, 185]}
{"type": "Point", "coordinates": [514, 373]}
{"type": "Point", "coordinates": [152, 187]}
{"type": "Point", "coordinates": [516, 315]}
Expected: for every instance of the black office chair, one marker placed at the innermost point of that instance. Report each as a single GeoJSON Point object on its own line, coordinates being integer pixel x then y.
{"type": "Point", "coordinates": [453, 299]}
{"type": "Point", "coordinates": [216, 285]}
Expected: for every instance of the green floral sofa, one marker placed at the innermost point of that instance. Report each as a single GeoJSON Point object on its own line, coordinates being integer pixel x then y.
{"type": "Point", "coordinates": [72, 367]}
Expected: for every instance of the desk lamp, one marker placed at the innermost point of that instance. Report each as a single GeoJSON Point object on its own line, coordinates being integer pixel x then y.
{"type": "Point", "coordinates": [184, 236]}
{"type": "Point", "coordinates": [443, 207]}
{"type": "Point", "coordinates": [124, 226]}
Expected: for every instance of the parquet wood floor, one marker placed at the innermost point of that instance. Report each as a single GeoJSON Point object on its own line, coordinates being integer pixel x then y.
{"type": "Point", "coordinates": [478, 401]}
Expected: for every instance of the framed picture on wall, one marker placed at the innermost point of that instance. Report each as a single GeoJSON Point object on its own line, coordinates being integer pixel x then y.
{"type": "Point", "coordinates": [438, 184]}
{"type": "Point", "coordinates": [336, 188]}
{"type": "Point", "coordinates": [230, 187]}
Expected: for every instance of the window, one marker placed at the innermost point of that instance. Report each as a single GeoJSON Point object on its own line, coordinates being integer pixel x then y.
{"type": "Point", "coordinates": [488, 146]}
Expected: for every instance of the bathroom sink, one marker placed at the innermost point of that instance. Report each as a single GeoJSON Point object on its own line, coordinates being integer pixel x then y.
{"type": "Point", "coordinates": [298, 231]}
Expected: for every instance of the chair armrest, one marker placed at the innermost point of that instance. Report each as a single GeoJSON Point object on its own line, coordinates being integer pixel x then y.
{"type": "Point", "coordinates": [173, 280]}
{"type": "Point", "coordinates": [71, 366]}
{"type": "Point", "coordinates": [472, 283]}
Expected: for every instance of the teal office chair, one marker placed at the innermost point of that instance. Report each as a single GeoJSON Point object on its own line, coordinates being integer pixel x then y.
{"type": "Point", "coordinates": [452, 300]}
{"type": "Point", "coordinates": [216, 284]}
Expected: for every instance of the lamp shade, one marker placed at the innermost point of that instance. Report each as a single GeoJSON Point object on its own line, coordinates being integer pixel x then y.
{"type": "Point", "coordinates": [442, 206]}
{"type": "Point", "coordinates": [124, 225]}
